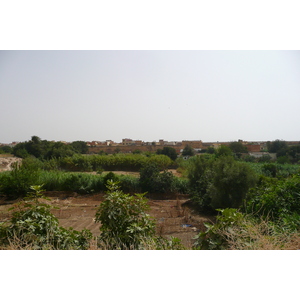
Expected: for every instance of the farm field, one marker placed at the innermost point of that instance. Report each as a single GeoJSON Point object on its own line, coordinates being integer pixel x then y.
{"type": "Point", "coordinates": [173, 217]}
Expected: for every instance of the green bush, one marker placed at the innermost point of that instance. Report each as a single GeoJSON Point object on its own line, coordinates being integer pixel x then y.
{"type": "Point", "coordinates": [17, 182]}
{"type": "Point", "coordinates": [168, 151]}
{"type": "Point", "coordinates": [275, 199]}
{"type": "Point", "coordinates": [32, 224]}
{"type": "Point", "coordinates": [214, 237]}
{"type": "Point", "coordinates": [116, 162]}
{"type": "Point", "coordinates": [129, 184]}
{"type": "Point", "coordinates": [78, 183]}
{"type": "Point", "coordinates": [269, 170]}
{"type": "Point", "coordinates": [220, 183]}
{"type": "Point", "coordinates": [124, 222]}
{"type": "Point", "coordinates": [151, 180]}
{"type": "Point", "coordinates": [110, 177]}
{"type": "Point", "coordinates": [5, 149]}
{"type": "Point", "coordinates": [238, 231]}
{"type": "Point", "coordinates": [230, 183]}
{"type": "Point", "coordinates": [180, 185]}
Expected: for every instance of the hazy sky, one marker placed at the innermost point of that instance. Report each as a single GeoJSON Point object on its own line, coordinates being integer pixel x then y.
{"type": "Point", "coordinates": [150, 95]}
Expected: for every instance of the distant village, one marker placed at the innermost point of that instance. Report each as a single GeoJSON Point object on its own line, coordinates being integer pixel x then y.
{"type": "Point", "coordinates": [127, 145]}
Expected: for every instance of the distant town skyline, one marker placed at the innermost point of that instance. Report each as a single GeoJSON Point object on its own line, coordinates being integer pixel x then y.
{"type": "Point", "coordinates": [157, 141]}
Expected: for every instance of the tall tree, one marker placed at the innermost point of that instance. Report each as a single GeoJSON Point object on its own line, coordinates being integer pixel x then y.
{"type": "Point", "coordinates": [168, 151]}
{"type": "Point", "coordinates": [188, 151]}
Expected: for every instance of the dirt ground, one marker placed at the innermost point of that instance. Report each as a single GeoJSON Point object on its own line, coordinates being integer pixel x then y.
{"type": "Point", "coordinates": [6, 161]}
{"type": "Point", "coordinates": [174, 217]}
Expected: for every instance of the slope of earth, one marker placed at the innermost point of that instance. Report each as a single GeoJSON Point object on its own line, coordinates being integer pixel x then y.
{"type": "Point", "coordinates": [6, 161]}
{"type": "Point", "coordinates": [173, 218]}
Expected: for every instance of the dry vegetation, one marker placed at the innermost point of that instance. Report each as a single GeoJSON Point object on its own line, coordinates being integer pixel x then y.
{"type": "Point", "coordinates": [6, 161]}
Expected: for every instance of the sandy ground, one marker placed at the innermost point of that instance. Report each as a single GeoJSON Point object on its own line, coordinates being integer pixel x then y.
{"type": "Point", "coordinates": [6, 161]}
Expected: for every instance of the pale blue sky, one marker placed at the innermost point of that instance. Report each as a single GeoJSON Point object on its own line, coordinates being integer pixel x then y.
{"type": "Point", "coordinates": [150, 95]}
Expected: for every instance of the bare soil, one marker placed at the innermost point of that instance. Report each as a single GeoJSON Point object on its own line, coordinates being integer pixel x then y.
{"type": "Point", "coordinates": [6, 161]}
{"type": "Point", "coordinates": [174, 217]}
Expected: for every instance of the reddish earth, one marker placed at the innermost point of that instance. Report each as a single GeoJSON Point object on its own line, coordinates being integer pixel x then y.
{"type": "Point", "coordinates": [174, 217]}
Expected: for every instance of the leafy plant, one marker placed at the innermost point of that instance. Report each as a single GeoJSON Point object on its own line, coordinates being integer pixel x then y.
{"type": "Point", "coordinates": [168, 151]}
{"type": "Point", "coordinates": [17, 182]}
{"type": "Point", "coordinates": [172, 243]}
{"type": "Point", "coordinates": [110, 176]}
{"type": "Point", "coordinates": [33, 224]}
{"type": "Point", "coordinates": [212, 239]}
{"type": "Point", "coordinates": [188, 151]}
{"type": "Point", "coordinates": [124, 221]}
{"type": "Point", "coordinates": [237, 231]}
{"type": "Point", "coordinates": [219, 183]}
{"type": "Point", "coordinates": [275, 199]}
{"type": "Point", "coordinates": [151, 180]}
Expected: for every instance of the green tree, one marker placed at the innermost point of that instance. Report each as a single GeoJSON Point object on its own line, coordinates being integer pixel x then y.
{"type": "Point", "coordinates": [168, 151]}
{"type": "Point", "coordinates": [211, 150]}
{"type": "Point", "coordinates": [5, 149]}
{"type": "Point", "coordinates": [230, 183]}
{"type": "Point", "coordinates": [238, 148]}
{"type": "Point", "coordinates": [223, 150]}
{"type": "Point", "coordinates": [199, 175]}
{"type": "Point", "coordinates": [188, 151]}
{"type": "Point", "coordinates": [124, 221]}
{"type": "Point", "coordinates": [19, 150]}
{"type": "Point", "coordinates": [220, 183]}
{"type": "Point", "coordinates": [153, 181]}
{"type": "Point", "coordinates": [17, 182]}
{"type": "Point", "coordinates": [293, 152]}
{"type": "Point", "coordinates": [59, 150]}
{"type": "Point", "coordinates": [278, 146]}
{"type": "Point", "coordinates": [80, 147]}
{"type": "Point", "coordinates": [276, 200]}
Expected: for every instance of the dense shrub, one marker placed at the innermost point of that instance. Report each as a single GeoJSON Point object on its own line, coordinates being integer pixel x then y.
{"type": "Point", "coordinates": [282, 170]}
{"type": "Point", "coordinates": [277, 200]}
{"type": "Point", "coordinates": [180, 185]}
{"type": "Point", "coordinates": [265, 158]}
{"type": "Point", "coordinates": [124, 221]}
{"type": "Point", "coordinates": [188, 151]}
{"type": "Point", "coordinates": [151, 180]}
{"type": "Point", "coordinates": [17, 182]}
{"type": "Point", "coordinates": [129, 184]}
{"type": "Point", "coordinates": [32, 224]}
{"type": "Point", "coordinates": [230, 183]}
{"type": "Point", "coordinates": [5, 149]}
{"type": "Point", "coordinates": [110, 176]}
{"type": "Point", "coordinates": [116, 162]}
{"type": "Point", "coordinates": [214, 237]}
{"type": "Point", "coordinates": [168, 151]}
{"type": "Point", "coordinates": [79, 183]}
{"type": "Point", "coordinates": [269, 170]}
{"type": "Point", "coordinates": [220, 183]}
{"type": "Point", "coordinates": [238, 231]}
